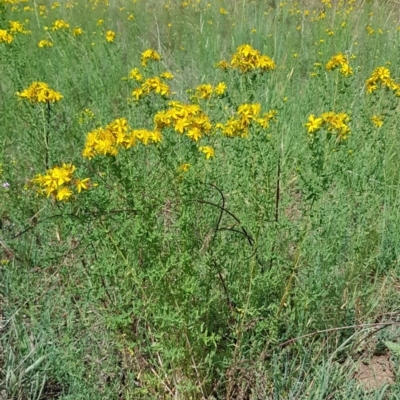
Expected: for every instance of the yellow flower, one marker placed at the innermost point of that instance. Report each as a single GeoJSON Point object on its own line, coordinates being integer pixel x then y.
{"type": "Point", "coordinates": [77, 31]}
{"type": "Point", "coordinates": [181, 124]}
{"type": "Point", "coordinates": [131, 140]}
{"type": "Point", "coordinates": [43, 10]}
{"type": "Point", "coordinates": [167, 75]}
{"type": "Point", "coordinates": [338, 60]}
{"type": "Point", "coordinates": [208, 151]}
{"type": "Point", "coordinates": [149, 54]}
{"type": "Point", "coordinates": [17, 27]}
{"type": "Point", "coordinates": [100, 141]}
{"type": "Point", "coordinates": [156, 136]}
{"type": "Point", "coordinates": [118, 129]}
{"type": "Point", "coordinates": [110, 36]}
{"type": "Point", "coordinates": [204, 91]}
{"type": "Point", "coordinates": [62, 174]}
{"type": "Point", "coordinates": [247, 58]}
{"type": "Point", "coordinates": [39, 92]}
{"type": "Point", "coordinates": [185, 119]}
{"type": "Point", "coordinates": [270, 115]}
{"type": "Point", "coordinates": [194, 133]}
{"type": "Point", "coordinates": [45, 43]}
{"type": "Point", "coordinates": [60, 24]}
{"type": "Point", "coordinates": [156, 85]}
{"type": "Point", "coordinates": [137, 93]}
{"type": "Point", "coordinates": [381, 75]}
{"type": "Point", "coordinates": [82, 184]}
{"type": "Point", "coordinates": [337, 123]}
{"type": "Point", "coordinates": [371, 85]}
{"type": "Point", "coordinates": [248, 112]}
{"type": "Point", "coordinates": [377, 120]}
{"type": "Point", "coordinates": [222, 65]}
{"type": "Point", "coordinates": [237, 127]}
{"type": "Point", "coordinates": [184, 167]}
{"type": "Point", "coordinates": [346, 70]}
{"type": "Point", "coordinates": [106, 146]}
{"type": "Point", "coordinates": [370, 31]}
{"type": "Point", "coordinates": [136, 75]}
{"type": "Point", "coordinates": [57, 182]}
{"type": "Point", "coordinates": [313, 124]}
{"type": "Point", "coordinates": [64, 193]}
{"type": "Point", "coordinates": [263, 122]}
{"type": "Point", "coordinates": [143, 135]}
{"type": "Point", "coordinates": [220, 88]}
{"type": "Point", "coordinates": [5, 37]}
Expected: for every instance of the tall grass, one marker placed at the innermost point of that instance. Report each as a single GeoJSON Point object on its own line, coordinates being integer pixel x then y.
{"type": "Point", "coordinates": [264, 272]}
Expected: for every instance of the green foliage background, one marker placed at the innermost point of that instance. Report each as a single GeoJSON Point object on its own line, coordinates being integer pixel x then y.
{"type": "Point", "coordinates": [200, 285]}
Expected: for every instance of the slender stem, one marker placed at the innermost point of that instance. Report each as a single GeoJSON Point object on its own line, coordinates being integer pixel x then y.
{"type": "Point", "coordinates": [277, 199]}
{"type": "Point", "coordinates": [46, 135]}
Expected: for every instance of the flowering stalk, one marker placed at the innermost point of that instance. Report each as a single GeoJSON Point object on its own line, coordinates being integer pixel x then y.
{"type": "Point", "coordinates": [40, 92]}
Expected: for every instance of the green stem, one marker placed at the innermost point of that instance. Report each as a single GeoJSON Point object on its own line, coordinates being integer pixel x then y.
{"type": "Point", "coordinates": [46, 135]}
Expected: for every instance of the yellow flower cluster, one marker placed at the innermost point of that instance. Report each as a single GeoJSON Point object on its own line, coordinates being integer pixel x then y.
{"type": "Point", "coordinates": [382, 75]}
{"type": "Point", "coordinates": [45, 43]}
{"type": "Point", "coordinates": [110, 36]}
{"type": "Point", "coordinates": [58, 182]}
{"type": "Point", "coordinates": [206, 91]}
{"type": "Point", "coordinates": [59, 24]}
{"type": "Point", "coordinates": [208, 151]}
{"type": "Point", "coordinates": [377, 120]}
{"type": "Point", "coordinates": [135, 74]}
{"type": "Point", "coordinates": [341, 61]}
{"type": "Point", "coordinates": [116, 135]}
{"type": "Point", "coordinates": [370, 30]}
{"type": "Point", "coordinates": [13, 1]}
{"type": "Point", "coordinates": [238, 126]}
{"type": "Point", "coordinates": [186, 119]}
{"type": "Point", "coordinates": [248, 59]}
{"type": "Point", "coordinates": [155, 85]}
{"type": "Point", "coordinates": [39, 92]}
{"type": "Point", "coordinates": [17, 27]}
{"type": "Point", "coordinates": [335, 123]}
{"type": "Point", "coordinates": [5, 37]}
{"type": "Point", "coordinates": [77, 31]}
{"type": "Point", "coordinates": [149, 54]}
{"type": "Point", "coordinates": [184, 167]}
{"type": "Point", "coordinates": [167, 75]}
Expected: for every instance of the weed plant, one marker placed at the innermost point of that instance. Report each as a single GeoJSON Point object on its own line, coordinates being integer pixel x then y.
{"type": "Point", "coordinates": [199, 199]}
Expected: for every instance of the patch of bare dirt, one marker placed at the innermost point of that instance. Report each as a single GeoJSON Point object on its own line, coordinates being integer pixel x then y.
{"type": "Point", "coordinates": [375, 372]}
